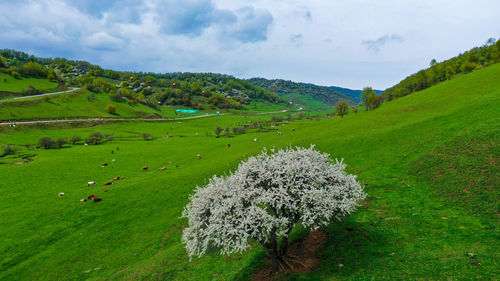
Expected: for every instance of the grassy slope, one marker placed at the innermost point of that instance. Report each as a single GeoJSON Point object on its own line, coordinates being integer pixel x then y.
{"type": "Point", "coordinates": [77, 104]}
{"type": "Point", "coordinates": [18, 85]}
{"type": "Point", "coordinates": [46, 237]}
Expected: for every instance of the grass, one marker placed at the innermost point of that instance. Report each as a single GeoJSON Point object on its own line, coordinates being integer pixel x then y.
{"type": "Point", "coordinates": [80, 104]}
{"type": "Point", "coordinates": [12, 85]}
{"type": "Point", "coordinates": [409, 227]}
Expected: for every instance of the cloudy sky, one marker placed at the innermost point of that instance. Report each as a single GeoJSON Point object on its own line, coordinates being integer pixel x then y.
{"type": "Point", "coordinates": [350, 43]}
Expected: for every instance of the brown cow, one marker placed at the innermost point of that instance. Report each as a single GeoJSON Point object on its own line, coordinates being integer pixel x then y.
{"type": "Point", "coordinates": [144, 168]}
{"type": "Point", "coordinates": [162, 169]}
{"type": "Point", "coordinates": [228, 145]}
{"type": "Point", "coordinates": [94, 199]}
{"type": "Point", "coordinates": [105, 190]}
{"type": "Point", "coordinates": [117, 178]}
{"type": "Point", "coordinates": [109, 182]}
{"type": "Point", "coordinates": [104, 165]}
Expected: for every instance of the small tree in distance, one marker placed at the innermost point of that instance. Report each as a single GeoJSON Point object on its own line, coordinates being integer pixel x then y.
{"type": "Point", "coordinates": [218, 130]}
{"type": "Point", "coordinates": [46, 142]}
{"type": "Point", "coordinates": [341, 108]}
{"type": "Point", "coordinates": [111, 108]}
{"type": "Point", "coordinates": [265, 198]}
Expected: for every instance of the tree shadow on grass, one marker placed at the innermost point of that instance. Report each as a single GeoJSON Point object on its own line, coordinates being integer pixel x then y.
{"type": "Point", "coordinates": [350, 247]}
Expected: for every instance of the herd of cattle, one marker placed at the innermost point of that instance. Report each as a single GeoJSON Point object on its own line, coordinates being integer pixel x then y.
{"type": "Point", "coordinates": [144, 168]}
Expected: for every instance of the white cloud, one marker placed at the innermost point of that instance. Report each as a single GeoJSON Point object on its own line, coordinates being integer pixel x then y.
{"type": "Point", "coordinates": [311, 41]}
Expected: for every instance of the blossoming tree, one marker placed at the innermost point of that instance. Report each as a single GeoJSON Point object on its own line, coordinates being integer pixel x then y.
{"type": "Point", "coordinates": [264, 198]}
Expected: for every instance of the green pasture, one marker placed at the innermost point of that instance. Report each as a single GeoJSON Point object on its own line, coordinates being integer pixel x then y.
{"type": "Point", "coordinates": [423, 219]}
{"type": "Point", "coordinates": [12, 85]}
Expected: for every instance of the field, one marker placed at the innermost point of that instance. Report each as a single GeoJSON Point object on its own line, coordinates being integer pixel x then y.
{"type": "Point", "coordinates": [10, 85]}
{"type": "Point", "coordinates": [429, 162]}
{"type": "Point", "coordinates": [87, 104]}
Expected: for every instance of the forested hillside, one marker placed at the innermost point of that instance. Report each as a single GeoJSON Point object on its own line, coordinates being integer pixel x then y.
{"type": "Point", "coordinates": [355, 94]}
{"type": "Point", "coordinates": [284, 88]}
{"type": "Point", "coordinates": [476, 58]}
{"type": "Point", "coordinates": [196, 90]}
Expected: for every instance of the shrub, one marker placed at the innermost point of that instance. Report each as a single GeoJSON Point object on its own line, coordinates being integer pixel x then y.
{"type": "Point", "coordinates": [265, 198]}
{"type": "Point", "coordinates": [111, 108]}
{"type": "Point", "coordinates": [91, 97]}
{"type": "Point", "coordinates": [7, 149]}
{"type": "Point", "coordinates": [95, 138]}
{"type": "Point", "coordinates": [46, 142]}
{"type": "Point", "coordinates": [75, 139]}
{"type": "Point", "coordinates": [218, 130]}
{"type": "Point", "coordinates": [61, 141]}
{"type": "Point", "coordinates": [147, 136]}
{"type": "Point", "coordinates": [341, 108]}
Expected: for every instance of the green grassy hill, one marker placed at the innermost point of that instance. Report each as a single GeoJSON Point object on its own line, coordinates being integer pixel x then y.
{"type": "Point", "coordinates": [429, 162]}
{"type": "Point", "coordinates": [10, 86]}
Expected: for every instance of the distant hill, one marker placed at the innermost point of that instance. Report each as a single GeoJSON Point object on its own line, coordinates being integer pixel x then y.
{"type": "Point", "coordinates": [302, 92]}
{"type": "Point", "coordinates": [195, 90]}
{"type": "Point", "coordinates": [355, 94]}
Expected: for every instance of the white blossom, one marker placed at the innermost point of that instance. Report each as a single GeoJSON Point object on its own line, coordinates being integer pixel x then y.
{"type": "Point", "coordinates": [265, 197]}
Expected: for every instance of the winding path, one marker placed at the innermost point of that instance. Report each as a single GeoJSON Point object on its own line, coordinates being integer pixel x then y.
{"type": "Point", "coordinates": [48, 94]}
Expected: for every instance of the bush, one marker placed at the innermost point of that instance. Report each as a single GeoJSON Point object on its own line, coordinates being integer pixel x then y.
{"type": "Point", "coordinates": [265, 198]}
{"type": "Point", "coordinates": [147, 136]}
{"type": "Point", "coordinates": [341, 108]}
{"type": "Point", "coordinates": [111, 108]}
{"type": "Point", "coordinates": [7, 149]}
{"type": "Point", "coordinates": [46, 142]}
{"type": "Point", "coordinates": [61, 141]}
{"type": "Point", "coordinates": [95, 139]}
{"type": "Point", "coordinates": [218, 130]}
{"type": "Point", "coordinates": [75, 139]}
{"type": "Point", "coordinates": [91, 97]}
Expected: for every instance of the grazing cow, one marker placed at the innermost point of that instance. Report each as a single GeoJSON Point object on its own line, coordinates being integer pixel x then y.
{"type": "Point", "coordinates": [169, 161]}
{"type": "Point", "coordinates": [114, 160]}
{"type": "Point", "coordinates": [293, 129]}
{"type": "Point", "coordinates": [255, 139]}
{"type": "Point", "coordinates": [83, 200]}
{"type": "Point", "coordinates": [105, 190]}
{"type": "Point", "coordinates": [91, 183]}
{"type": "Point", "coordinates": [117, 148]}
{"type": "Point", "coordinates": [95, 199]}
{"type": "Point", "coordinates": [199, 156]}
{"type": "Point", "coordinates": [117, 178]}
{"type": "Point", "coordinates": [104, 165]}
{"type": "Point", "coordinates": [144, 168]}
{"type": "Point", "coordinates": [61, 194]}
{"type": "Point", "coordinates": [162, 169]}
{"type": "Point", "coordinates": [112, 152]}
{"type": "Point", "coordinates": [228, 145]}
{"type": "Point", "coordinates": [280, 133]}
{"type": "Point", "coordinates": [109, 182]}
{"type": "Point", "coordinates": [90, 196]}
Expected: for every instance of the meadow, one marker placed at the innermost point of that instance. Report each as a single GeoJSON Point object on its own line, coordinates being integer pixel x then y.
{"type": "Point", "coordinates": [10, 85]}
{"type": "Point", "coordinates": [429, 162]}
